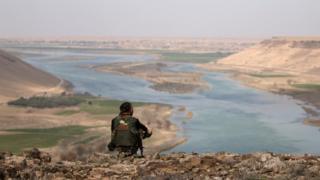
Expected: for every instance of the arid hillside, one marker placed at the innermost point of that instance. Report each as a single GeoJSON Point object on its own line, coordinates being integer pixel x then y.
{"type": "Point", "coordinates": [289, 54]}
{"type": "Point", "coordinates": [18, 78]}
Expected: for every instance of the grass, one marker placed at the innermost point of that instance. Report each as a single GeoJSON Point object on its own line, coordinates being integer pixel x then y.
{"type": "Point", "coordinates": [98, 107]}
{"type": "Point", "coordinates": [87, 140]}
{"type": "Point", "coordinates": [308, 86]}
{"type": "Point", "coordinates": [67, 112]}
{"type": "Point", "coordinates": [269, 75]}
{"type": "Point", "coordinates": [40, 138]}
{"type": "Point", "coordinates": [48, 102]}
{"type": "Point", "coordinates": [90, 104]}
{"type": "Point", "coordinates": [192, 57]}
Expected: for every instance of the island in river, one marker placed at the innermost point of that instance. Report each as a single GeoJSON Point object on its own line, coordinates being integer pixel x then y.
{"type": "Point", "coordinates": [161, 79]}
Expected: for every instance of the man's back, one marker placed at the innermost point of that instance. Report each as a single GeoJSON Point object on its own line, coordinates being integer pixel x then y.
{"type": "Point", "coordinates": [127, 131]}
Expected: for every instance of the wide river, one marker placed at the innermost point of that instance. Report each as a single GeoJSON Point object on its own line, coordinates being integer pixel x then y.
{"type": "Point", "coordinates": [228, 117]}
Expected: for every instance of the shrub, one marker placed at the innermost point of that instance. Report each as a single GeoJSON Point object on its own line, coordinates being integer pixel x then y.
{"type": "Point", "coordinates": [48, 102]}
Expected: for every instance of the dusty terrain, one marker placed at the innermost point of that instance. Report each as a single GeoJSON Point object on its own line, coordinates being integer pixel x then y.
{"type": "Point", "coordinates": [37, 165]}
{"type": "Point", "coordinates": [21, 79]}
{"type": "Point", "coordinates": [283, 65]}
{"type": "Point", "coordinates": [162, 80]}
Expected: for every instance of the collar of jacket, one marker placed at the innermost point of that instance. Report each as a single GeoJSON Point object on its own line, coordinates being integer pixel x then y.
{"type": "Point", "coordinates": [125, 114]}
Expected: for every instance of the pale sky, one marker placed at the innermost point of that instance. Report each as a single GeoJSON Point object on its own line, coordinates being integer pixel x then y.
{"type": "Point", "coordinates": [160, 18]}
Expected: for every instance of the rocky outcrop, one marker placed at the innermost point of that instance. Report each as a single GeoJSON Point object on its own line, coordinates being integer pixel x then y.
{"type": "Point", "coordinates": [37, 165]}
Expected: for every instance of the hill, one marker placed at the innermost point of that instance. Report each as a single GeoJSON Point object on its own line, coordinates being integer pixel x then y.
{"type": "Point", "coordinates": [301, 55]}
{"type": "Point", "coordinates": [18, 78]}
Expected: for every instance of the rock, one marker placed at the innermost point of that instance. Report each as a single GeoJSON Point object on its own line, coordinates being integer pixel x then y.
{"type": "Point", "coordinates": [314, 169]}
{"type": "Point", "coordinates": [23, 164]}
{"type": "Point", "coordinates": [297, 169]}
{"type": "Point", "coordinates": [217, 178]}
{"type": "Point", "coordinates": [265, 157]}
{"type": "Point", "coordinates": [45, 157]}
{"type": "Point", "coordinates": [2, 156]}
{"type": "Point", "coordinates": [195, 161]}
{"type": "Point", "coordinates": [156, 156]}
{"type": "Point", "coordinates": [195, 170]}
{"type": "Point", "coordinates": [33, 153]}
{"type": "Point", "coordinates": [2, 173]}
{"type": "Point", "coordinates": [275, 164]}
{"type": "Point", "coordinates": [37, 165]}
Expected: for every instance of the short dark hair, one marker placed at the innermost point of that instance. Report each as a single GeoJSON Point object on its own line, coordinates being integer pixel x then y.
{"type": "Point", "coordinates": [125, 107]}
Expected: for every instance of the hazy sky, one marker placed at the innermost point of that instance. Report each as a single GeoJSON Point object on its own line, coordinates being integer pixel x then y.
{"type": "Point", "coordinates": [202, 18]}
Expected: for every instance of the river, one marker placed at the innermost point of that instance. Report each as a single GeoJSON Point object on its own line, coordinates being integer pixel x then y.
{"type": "Point", "coordinates": [228, 117]}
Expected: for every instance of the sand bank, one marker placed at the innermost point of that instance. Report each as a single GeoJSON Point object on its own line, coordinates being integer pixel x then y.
{"type": "Point", "coordinates": [162, 80]}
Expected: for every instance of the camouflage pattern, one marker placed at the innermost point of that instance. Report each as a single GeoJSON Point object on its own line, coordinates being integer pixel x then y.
{"type": "Point", "coordinates": [125, 132]}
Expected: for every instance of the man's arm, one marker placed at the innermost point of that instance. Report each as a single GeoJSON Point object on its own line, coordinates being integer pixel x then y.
{"type": "Point", "coordinates": [147, 133]}
{"type": "Point", "coordinates": [111, 145]}
{"type": "Point", "coordinates": [112, 125]}
{"type": "Point", "coordinates": [142, 126]}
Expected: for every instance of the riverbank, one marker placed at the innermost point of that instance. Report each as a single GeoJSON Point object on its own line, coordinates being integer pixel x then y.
{"type": "Point", "coordinates": [161, 79]}
{"type": "Point", "coordinates": [300, 86]}
{"type": "Point", "coordinates": [285, 65]}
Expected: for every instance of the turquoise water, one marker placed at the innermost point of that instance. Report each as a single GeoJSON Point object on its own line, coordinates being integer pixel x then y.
{"type": "Point", "coordinates": [228, 117]}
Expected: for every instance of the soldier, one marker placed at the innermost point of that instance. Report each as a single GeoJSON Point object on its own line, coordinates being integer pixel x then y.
{"type": "Point", "coordinates": [127, 132]}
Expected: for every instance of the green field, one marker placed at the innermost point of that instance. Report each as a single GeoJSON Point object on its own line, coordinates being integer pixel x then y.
{"type": "Point", "coordinates": [67, 112]}
{"type": "Point", "coordinates": [48, 102]}
{"type": "Point", "coordinates": [90, 104]}
{"type": "Point", "coordinates": [98, 107]}
{"type": "Point", "coordinates": [40, 138]}
{"type": "Point", "coordinates": [101, 107]}
{"type": "Point", "coordinates": [87, 140]}
{"type": "Point", "coordinates": [307, 86]}
{"type": "Point", "coordinates": [192, 57]}
{"type": "Point", "coordinates": [269, 75]}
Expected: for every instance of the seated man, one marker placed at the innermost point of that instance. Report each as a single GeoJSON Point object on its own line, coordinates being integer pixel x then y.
{"type": "Point", "coordinates": [127, 132]}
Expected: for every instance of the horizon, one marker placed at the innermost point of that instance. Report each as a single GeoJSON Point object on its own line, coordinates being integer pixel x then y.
{"type": "Point", "coordinates": [170, 19]}
{"type": "Point", "coordinates": [151, 38]}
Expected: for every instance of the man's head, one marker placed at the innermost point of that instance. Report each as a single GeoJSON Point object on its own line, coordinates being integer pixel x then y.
{"type": "Point", "coordinates": [126, 108]}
